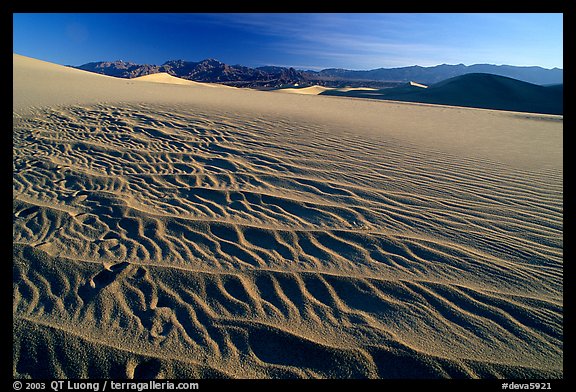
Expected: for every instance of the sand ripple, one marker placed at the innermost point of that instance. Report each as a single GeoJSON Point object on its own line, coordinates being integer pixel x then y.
{"type": "Point", "coordinates": [164, 241]}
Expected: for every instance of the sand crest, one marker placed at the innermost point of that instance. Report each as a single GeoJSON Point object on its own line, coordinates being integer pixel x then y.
{"type": "Point", "coordinates": [163, 77]}
{"type": "Point", "coordinates": [166, 231]}
{"type": "Point", "coordinates": [311, 90]}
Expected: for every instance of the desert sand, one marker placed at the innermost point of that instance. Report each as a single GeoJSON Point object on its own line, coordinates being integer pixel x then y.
{"type": "Point", "coordinates": [348, 89]}
{"type": "Point", "coordinates": [311, 90]}
{"type": "Point", "coordinates": [164, 77]}
{"type": "Point", "coordinates": [317, 90]}
{"type": "Point", "coordinates": [180, 230]}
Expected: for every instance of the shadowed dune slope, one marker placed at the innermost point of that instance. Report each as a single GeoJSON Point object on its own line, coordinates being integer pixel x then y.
{"type": "Point", "coordinates": [475, 90]}
{"type": "Point", "coordinates": [169, 231]}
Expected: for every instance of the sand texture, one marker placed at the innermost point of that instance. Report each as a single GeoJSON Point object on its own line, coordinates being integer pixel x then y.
{"type": "Point", "coordinates": [163, 77]}
{"type": "Point", "coordinates": [312, 90]}
{"type": "Point", "coordinates": [167, 230]}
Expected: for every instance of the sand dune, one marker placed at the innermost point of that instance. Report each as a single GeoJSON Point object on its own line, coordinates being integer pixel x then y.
{"type": "Point", "coordinates": [414, 84]}
{"type": "Point", "coordinates": [475, 90]}
{"type": "Point", "coordinates": [311, 90]}
{"type": "Point", "coordinates": [316, 90]}
{"type": "Point", "coordinates": [348, 89]}
{"type": "Point", "coordinates": [165, 231]}
{"type": "Point", "coordinates": [164, 77]}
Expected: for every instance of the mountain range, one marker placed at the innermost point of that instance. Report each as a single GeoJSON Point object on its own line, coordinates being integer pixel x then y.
{"type": "Point", "coordinates": [214, 71]}
{"type": "Point", "coordinates": [208, 71]}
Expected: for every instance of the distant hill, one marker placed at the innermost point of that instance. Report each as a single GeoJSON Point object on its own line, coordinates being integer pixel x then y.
{"type": "Point", "coordinates": [214, 71]}
{"type": "Point", "coordinates": [479, 90]}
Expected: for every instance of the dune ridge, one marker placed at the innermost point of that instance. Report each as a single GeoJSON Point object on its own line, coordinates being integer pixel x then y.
{"type": "Point", "coordinates": [178, 239]}
{"type": "Point", "coordinates": [163, 77]}
{"type": "Point", "coordinates": [311, 90]}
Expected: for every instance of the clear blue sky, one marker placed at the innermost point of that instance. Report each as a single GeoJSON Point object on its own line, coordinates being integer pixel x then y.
{"type": "Point", "coordinates": [304, 41]}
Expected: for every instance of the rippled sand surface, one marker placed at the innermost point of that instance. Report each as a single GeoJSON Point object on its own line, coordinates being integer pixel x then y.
{"type": "Point", "coordinates": [183, 231]}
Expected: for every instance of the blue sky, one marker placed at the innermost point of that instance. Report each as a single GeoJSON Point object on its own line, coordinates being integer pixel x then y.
{"type": "Point", "coordinates": [304, 41]}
